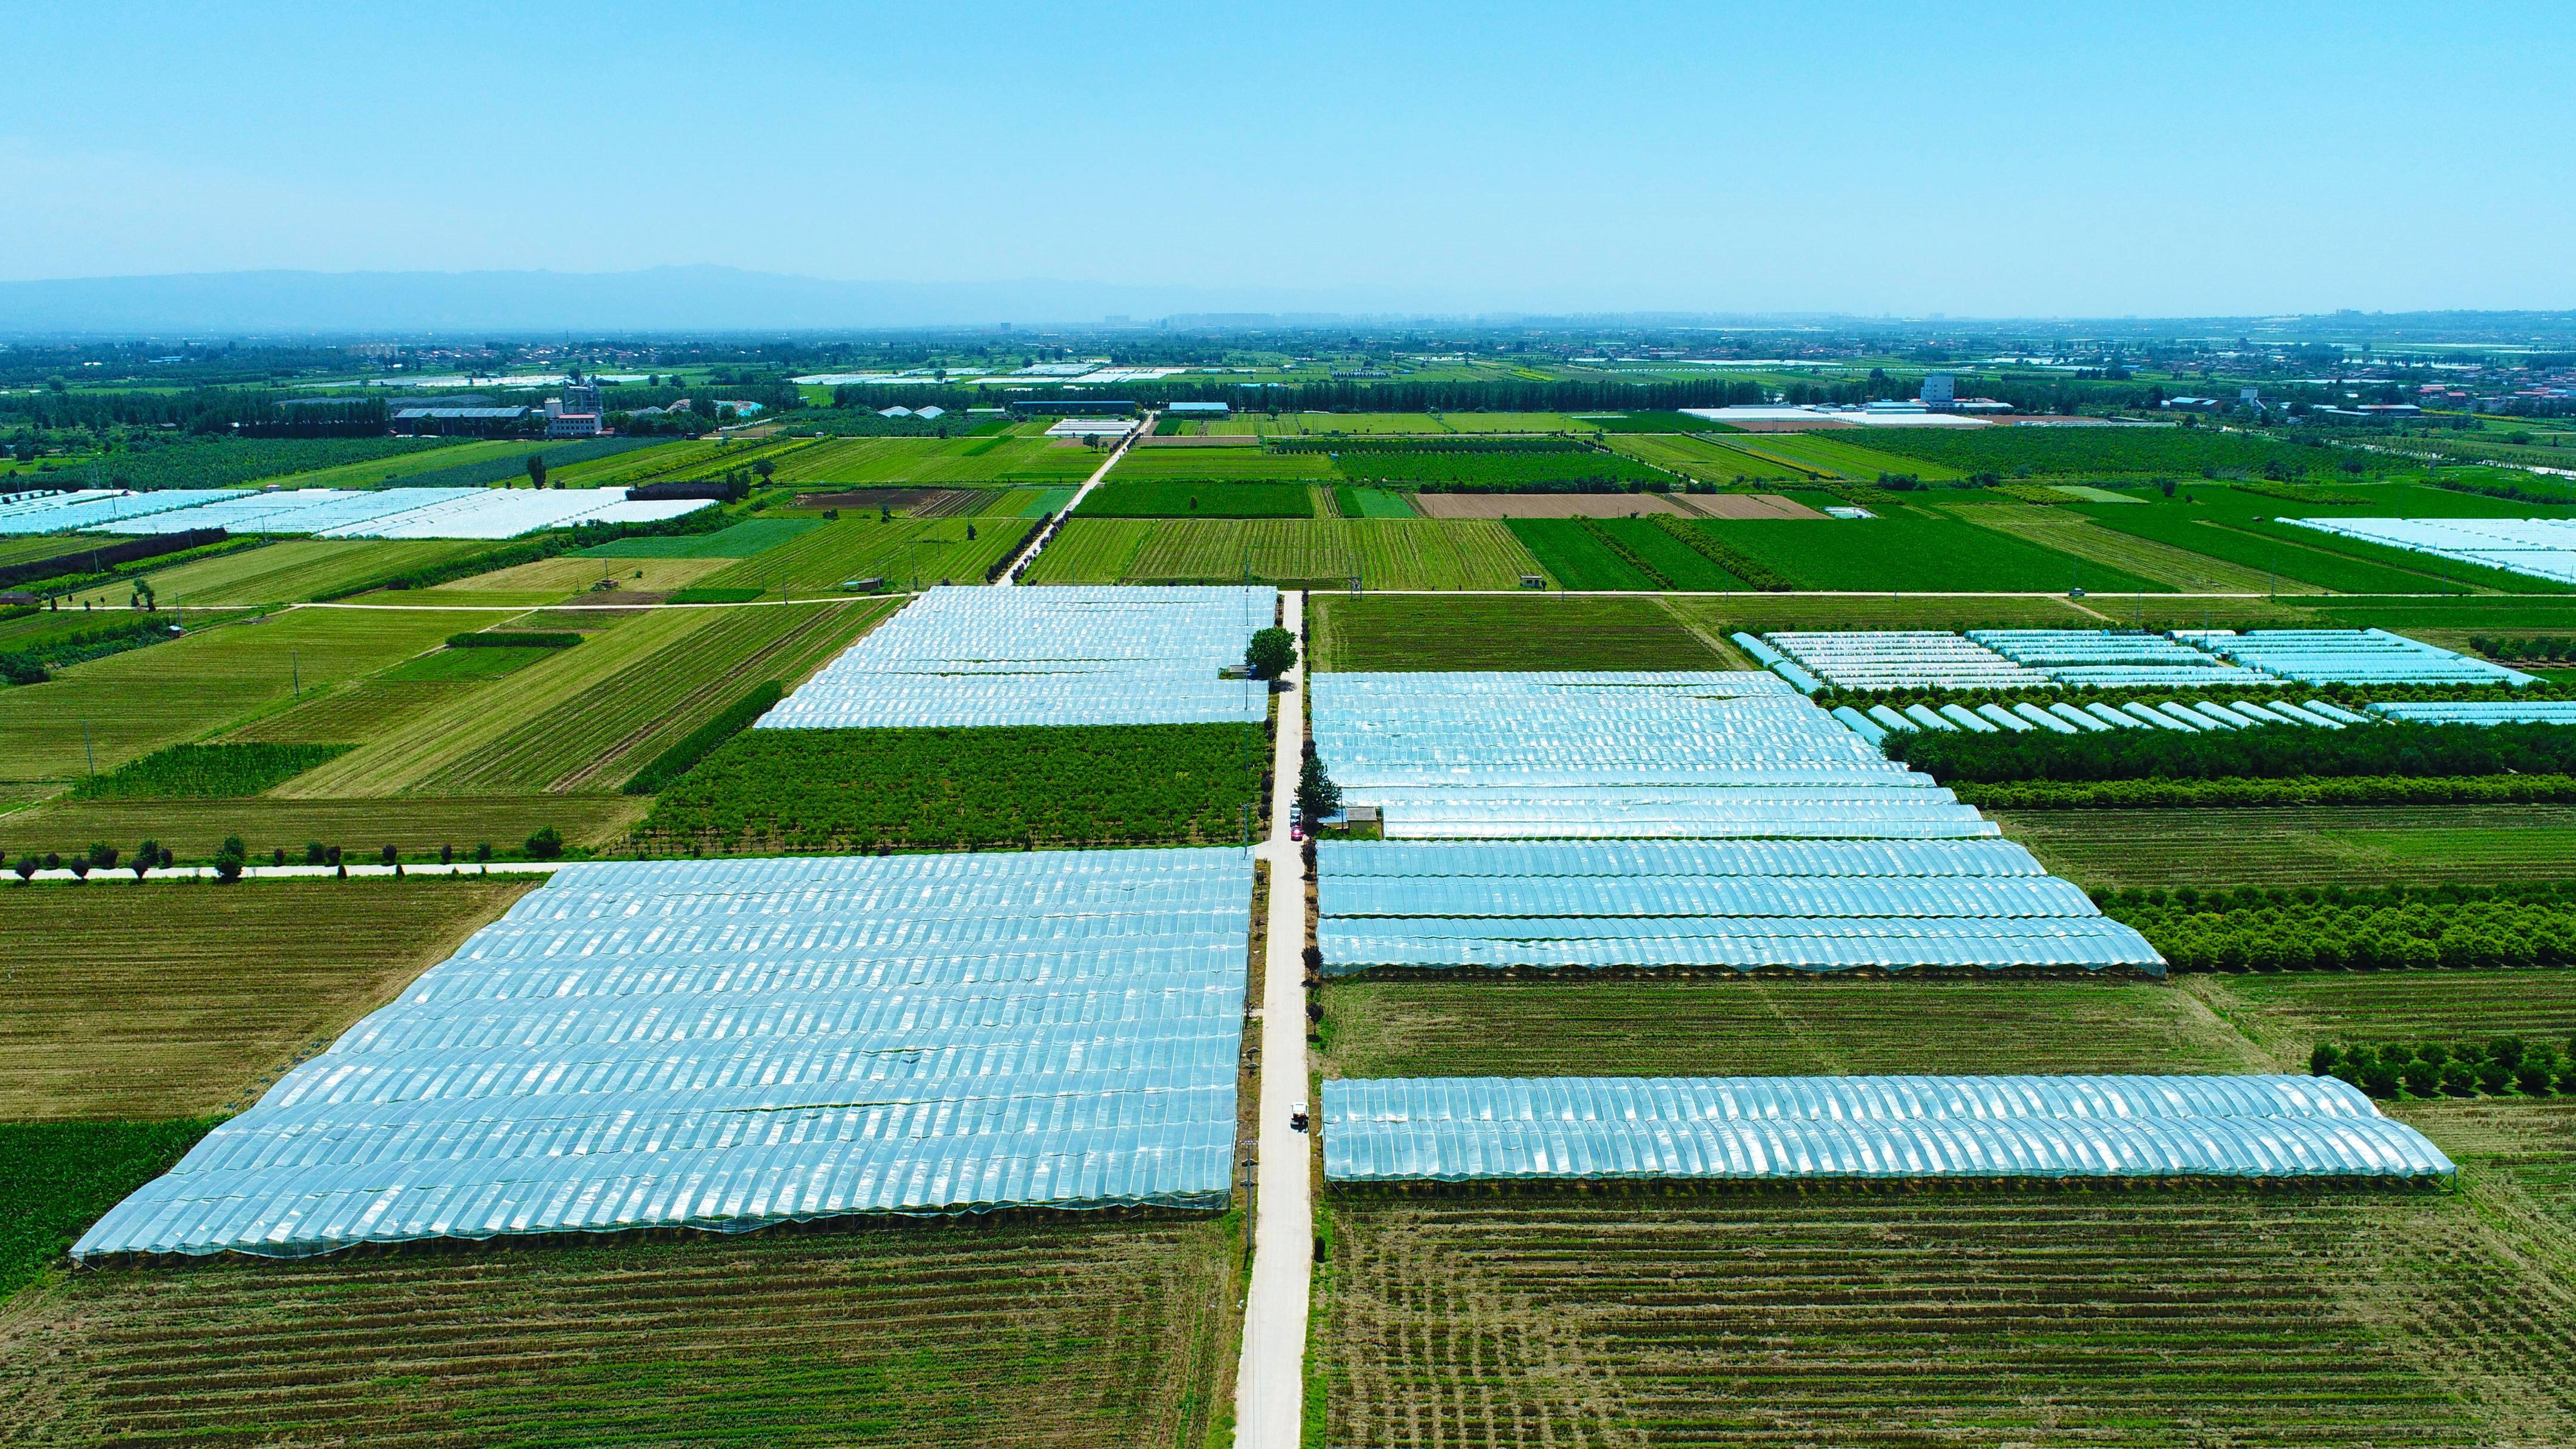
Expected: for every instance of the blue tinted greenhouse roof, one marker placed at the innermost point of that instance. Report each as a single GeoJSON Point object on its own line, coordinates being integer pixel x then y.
{"type": "Point", "coordinates": [1459, 1129]}
{"type": "Point", "coordinates": [729, 1044]}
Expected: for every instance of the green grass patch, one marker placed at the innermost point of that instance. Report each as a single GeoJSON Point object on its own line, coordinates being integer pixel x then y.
{"type": "Point", "coordinates": [1670, 554]}
{"type": "Point", "coordinates": [702, 594]}
{"type": "Point", "coordinates": [1650, 422]}
{"type": "Point", "coordinates": [64, 1176]}
{"type": "Point", "coordinates": [1576, 557]}
{"type": "Point", "coordinates": [831, 791]}
{"type": "Point", "coordinates": [515, 639]}
{"type": "Point", "coordinates": [1501, 471]}
{"type": "Point", "coordinates": [2095, 452]}
{"type": "Point", "coordinates": [1362, 502]}
{"type": "Point", "coordinates": [459, 665]}
{"type": "Point", "coordinates": [741, 540]}
{"type": "Point", "coordinates": [206, 772]}
{"type": "Point", "coordinates": [1201, 465]}
{"type": "Point", "coordinates": [1907, 549]}
{"type": "Point", "coordinates": [1184, 498]}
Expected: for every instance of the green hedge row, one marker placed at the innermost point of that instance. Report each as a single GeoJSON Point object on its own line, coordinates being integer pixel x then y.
{"type": "Point", "coordinates": [513, 639]}
{"type": "Point", "coordinates": [2263, 794]}
{"type": "Point", "coordinates": [680, 758]}
{"type": "Point", "coordinates": [2503, 1067]}
{"type": "Point", "coordinates": [2337, 930]}
{"type": "Point", "coordinates": [2269, 752]}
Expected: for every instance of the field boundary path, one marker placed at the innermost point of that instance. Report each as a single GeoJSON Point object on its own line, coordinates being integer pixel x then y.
{"type": "Point", "coordinates": [1270, 1392]}
{"type": "Point", "coordinates": [1009, 576]}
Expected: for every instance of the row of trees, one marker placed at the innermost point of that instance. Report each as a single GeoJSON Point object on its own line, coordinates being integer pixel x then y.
{"type": "Point", "coordinates": [2505, 1066]}
{"type": "Point", "coordinates": [2274, 752]}
{"type": "Point", "coordinates": [2492, 933]}
{"type": "Point", "coordinates": [233, 856]}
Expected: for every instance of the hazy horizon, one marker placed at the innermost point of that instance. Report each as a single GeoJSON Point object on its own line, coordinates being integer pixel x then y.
{"type": "Point", "coordinates": [2017, 162]}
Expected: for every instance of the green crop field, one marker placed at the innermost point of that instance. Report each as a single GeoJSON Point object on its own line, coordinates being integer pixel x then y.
{"type": "Point", "coordinates": [1001, 458]}
{"type": "Point", "coordinates": [113, 709]}
{"type": "Point", "coordinates": [809, 791]}
{"type": "Point", "coordinates": [1582, 1026]}
{"type": "Point", "coordinates": [857, 546]}
{"type": "Point", "coordinates": [1329, 424]}
{"type": "Point", "coordinates": [1064, 1331]}
{"type": "Point", "coordinates": [2289, 1012]}
{"type": "Point", "coordinates": [1572, 557]}
{"type": "Point", "coordinates": [416, 825]}
{"type": "Point", "coordinates": [585, 719]}
{"type": "Point", "coordinates": [206, 772]}
{"type": "Point", "coordinates": [201, 462]}
{"type": "Point", "coordinates": [1204, 464]}
{"type": "Point", "coordinates": [2356, 845]}
{"type": "Point", "coordinates": [1703, 459]}
{"type": "Point", "coordinates": [1839, 454]}
{"type": "Point", "coordinates": [740, 540]}
{"type": "Point", "coordinates": [1386, 553]}
{"type": "Point", "coordinates": [289, 571]}
{"type": "Point", "coordinates": [1355, 501]}
{"type": "Point", "coordinates": [1846, 1316]}
{"type": "Point", "coordinates": [1497, 472]}
{"type": "Point", "coordinates": [1905, 549]}
{"type": "Point", "coordinates": [1124, 497]}
{"type": "Point", "coordinates": [64, 1175]}
{"type": "Point", "coordinates": [1534, 631]}
{"type": "Point", "coordinates": [179, 998]}
{"type": "Point", "coordinates": [450, 666]}
{"type": "Point", "coordinates": [2149, 555]}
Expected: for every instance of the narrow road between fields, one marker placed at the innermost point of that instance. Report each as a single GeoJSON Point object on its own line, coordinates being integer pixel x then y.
{"type": "Point", "coordinates": [1143, 426]}
{"type": "Point", "coordinates": [1270, 1394]}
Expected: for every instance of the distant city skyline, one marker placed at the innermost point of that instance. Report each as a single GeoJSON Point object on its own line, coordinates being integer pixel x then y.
{"type": "Point", "coordinates": [2012, 161]}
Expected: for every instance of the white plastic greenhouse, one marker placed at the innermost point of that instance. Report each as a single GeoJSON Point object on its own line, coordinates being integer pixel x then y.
{"type": "Point", "coordinates": [1459, 1129]}
{"type": "Point", "coordinates": [1054, 656]}
{"type": "Point", "coordinates": [729, 1044]}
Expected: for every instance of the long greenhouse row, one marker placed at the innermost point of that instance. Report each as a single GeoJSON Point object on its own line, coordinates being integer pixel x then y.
{"type": "Point", "coordinates": [730, 1044]}
{"type": "Point", "coordinates": [2544, 548]}
{"type": "Point", "coordinates": [1057, 656]}
{"type": "Point", "coordinates": [1465, 1129]}
{"type": "Point", "coordinates": [486, 513]}
{"type": "Point", "coordinates": [2111, 659]}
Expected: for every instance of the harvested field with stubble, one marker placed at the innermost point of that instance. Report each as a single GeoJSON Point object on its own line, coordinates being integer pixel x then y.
{"type": "Point", "coordinates": [2182, 1316]}
{"type": "Point", "coordinates": [1580, 1026]}
{"type": "Point", "coordinates": [177, 998]}
{"type": "Point", "coordinates": [1027, 1331]}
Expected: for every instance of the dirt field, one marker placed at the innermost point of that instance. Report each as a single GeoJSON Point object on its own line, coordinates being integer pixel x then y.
{"type": "Point", "coordinates": [1748, 505]}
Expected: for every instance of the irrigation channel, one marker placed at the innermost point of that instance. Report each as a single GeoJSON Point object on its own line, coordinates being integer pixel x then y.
{"type": "Point", "coordinates": [1270, 1392]}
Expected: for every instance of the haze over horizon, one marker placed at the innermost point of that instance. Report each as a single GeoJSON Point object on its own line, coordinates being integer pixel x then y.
{"type": "Point", "coordinates": [1430, 158]}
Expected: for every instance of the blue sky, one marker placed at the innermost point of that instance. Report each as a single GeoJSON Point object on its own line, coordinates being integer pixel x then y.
{"type": "Point", "coordinates": [1978, 160]}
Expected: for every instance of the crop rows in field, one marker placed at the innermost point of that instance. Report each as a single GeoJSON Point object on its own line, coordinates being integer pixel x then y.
{"type": "Point", "coordinates": [2292, 1011]}
{"type": "Point", "coordinates": [172, 998]}
{"type": "Point", "coordinates": [1386, 553]}
{"type": "Point", "coordinates": [1122, 497]}
{"type": "Point", "coordinates": [2140, 1317]}
{"type": "Point", "coordinates": [1583, 553]}
{"type": "Point", "coordinates": [859, 546]}
{"type": "Point", "coordinates": [1703, 459]}
{"type": "Point", "coordinates": [1914, 549]}
{"type": "Point", "coordinates": [1493, 471]}
{"type": "Point", "coordinates": [206, 772]}
{"type": "Point", "coordinates": [2065, 531]}
{"type": "Point", "coordinates": [63, 1175]}
{"type": "Point", "coordinates": [2301, 845]}
{"type": "Point", "coordinates": [1767, 1027]}
{"type": "Point", "coordinates": [290, 571]}
{"type": "Point", "coordinates": [1837, 455]}
{"type": "Point", "coordinates": [113, 709]}
{"type": "Point", "coordinates": [1213, 464]}
{"type": "Point", "coordinates": [1070, 1333]}
{"type": "Point", "coordinates": [999, 458]}
{"type": "Point", "coordinates": [808, 791]}
{"type": "Point", "coordinates": [1396, 632]}
{"type": "Point", "coordinates": [589, 717]}
{"type": "Point", "coordinates": [196, 462]}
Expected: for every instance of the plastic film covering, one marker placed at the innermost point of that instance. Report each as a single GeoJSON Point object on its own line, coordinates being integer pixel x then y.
{"type": "Point", "coordinates": [2543, 548]}
{"type": "Point", "coordinates": [1051, 656]}
{"type": "Point", "coordinates": [63, 512]}
{"type": "Point", "coordinates": [1860, 724]}
{"type": "Point", "coordinates": [2115, 659]}
{"type": "Point", "coordinates": [1824, 944]}
{"type": "Point", "coordinates": [1903, 658]}
{"type": "Point", "coordinates": [2471, 713]}
{"type": "Point", "coordinates": [509, 512]}
{"type": "Point", "coordinates": [292, 510]}
{"type": "Point", "coordinates": [2349, 656]}
{"type": "Point", "coordinates": [1461, 1129]}
{"type": "Point", "coordinates": [1352, 860]}
{"type": "Point", "coordinates": [728, 1044]}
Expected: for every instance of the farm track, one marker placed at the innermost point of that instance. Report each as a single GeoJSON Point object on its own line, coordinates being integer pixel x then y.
{"type": "Point", "coordinates": [1048, 1332]}
{"type": "Point", "coordinates": [2146, 1317]}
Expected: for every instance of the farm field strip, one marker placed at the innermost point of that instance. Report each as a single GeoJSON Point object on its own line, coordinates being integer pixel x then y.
{"type": "Point", "coordinates": [2355, 845]}
{"type": "Point", "coordinates": [821, 559]}
{"type": "Point", "coordinates": [1419, 553]}
{"type": "Point", "coordinates": [1104, 1333]}
{"type": "Point", "coordinates": [416, 825]}
{"type": "Point", "coordinates": [1831, 1318]}
{"type": "Point", "coordinates": [2069, 533]}
{"type": "Point", "coordinates": [1379, 632]}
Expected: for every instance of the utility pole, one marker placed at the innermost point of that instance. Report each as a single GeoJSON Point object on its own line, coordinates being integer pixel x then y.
{"type": "Point", "coordinates": [87, 749]}
{"type": "Point", "coordinates": [295, 664]}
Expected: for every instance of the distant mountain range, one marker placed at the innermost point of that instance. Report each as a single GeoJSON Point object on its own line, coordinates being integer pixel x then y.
{"type": "Point", "coordinates": [662, 299]}
{"type": "Point", "coordinates": [712, 299]}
